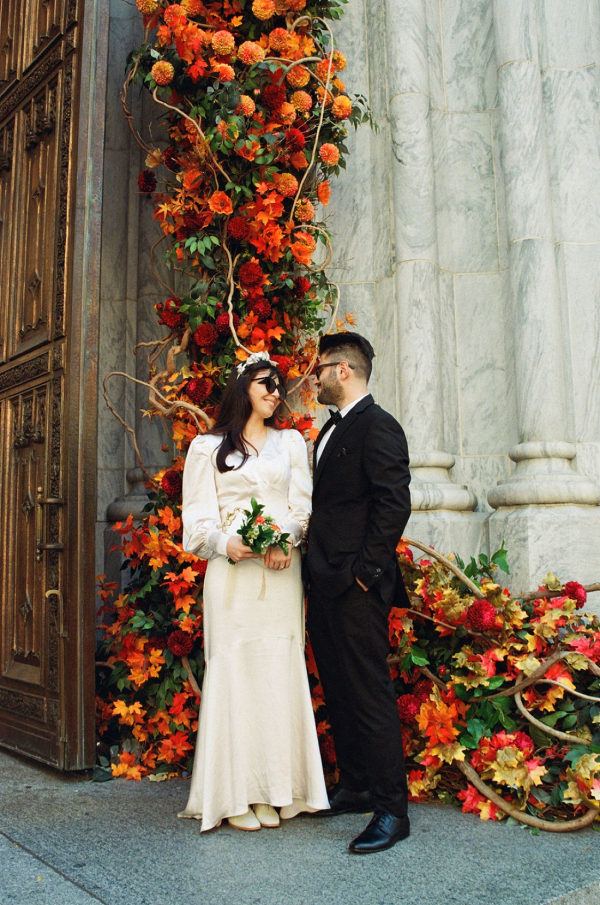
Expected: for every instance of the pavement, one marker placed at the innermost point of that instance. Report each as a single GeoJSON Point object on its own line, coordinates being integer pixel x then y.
{"type": "Point", "coordinates": [67, 841]}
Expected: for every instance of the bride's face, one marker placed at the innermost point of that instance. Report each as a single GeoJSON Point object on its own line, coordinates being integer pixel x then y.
{"type": "Point", "coordinates": [264, 401]}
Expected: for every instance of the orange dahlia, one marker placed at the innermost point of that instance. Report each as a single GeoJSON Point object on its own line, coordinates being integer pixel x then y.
{"type": "Point", "coordinates": [162, 72]}
{"type": "Point", "coordinates": [321, 95]}
{"type": "Point", "coordinates": [339, 60]}
{"type": "Point", "coordinates": [329, 154]}
{"type": "Point", "coordinates": [342, 107]}
{"type": "Point", "coordinates": [250, 52]}
{"type": "Point", "coordinates": [304, 210]}
{"type": "Point", "coordinates": [220, 203]}
{"type": "Point", "coordinates": [337, 83]}
{"type": "Point", "coordinates": [223, 43]}
{"type": "Point", "coordinates": [286, 184]}
{"type": "Point", "coordinates": [225, 72]}
{"type": "Point", "coordinates": [298, 77]}
{"type": "Point", "coordinates": [246, 106]}
{"type": "Point", "coordinates": [324, 192]}
{"type": "Point", "coordinates": [193, 7]}
{"type": "Point", "coordinates": [175, 15]}
{"type": "Point", "coordinates": [279, 40]}
{"type": "Point", "coordinates": [302, 101]}
{"type": "Point", "coordinates": [322, 68]}
{"type": "Point", "coordinates": [147, 6]}
{"type": "Point", "coordinates": [263, 9]}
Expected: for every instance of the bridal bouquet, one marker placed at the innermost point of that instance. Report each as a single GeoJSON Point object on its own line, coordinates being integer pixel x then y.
{"type": "Point", "coordinates": [259, 532]}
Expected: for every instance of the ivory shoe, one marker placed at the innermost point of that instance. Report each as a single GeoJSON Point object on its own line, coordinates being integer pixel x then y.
{"type": "Point", "coordinates": [247, 821]}
{"type": "Point", "coordinates": [267, 816]}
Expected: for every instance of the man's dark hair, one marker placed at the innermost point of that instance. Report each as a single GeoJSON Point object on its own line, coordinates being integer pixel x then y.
{"type": "Point", "coordinates": [351, 347]}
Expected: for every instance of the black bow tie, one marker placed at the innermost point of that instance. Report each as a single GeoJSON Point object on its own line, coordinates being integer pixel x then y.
{"type": "Point", "coordinates": [335, 417]}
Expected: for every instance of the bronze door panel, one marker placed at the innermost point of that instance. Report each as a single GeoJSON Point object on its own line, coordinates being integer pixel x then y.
{"type": "Point", "coordinates": [42, 690]}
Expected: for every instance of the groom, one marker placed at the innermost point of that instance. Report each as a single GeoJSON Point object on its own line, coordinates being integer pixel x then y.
{"type": "Point", "coordinates": [361, 504]}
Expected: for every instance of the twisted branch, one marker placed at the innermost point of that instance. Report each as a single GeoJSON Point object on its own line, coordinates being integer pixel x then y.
{"type": "Point", "coordinates": [477, 592]}
{"type": "Point", "coordinates": [550, 826]}
{"type": "Point", "coordinates": [573, 739]}
{"type": "Point", "coordinates": [538, 595]}
{"type": "Point", "coordinates": [191, 677]}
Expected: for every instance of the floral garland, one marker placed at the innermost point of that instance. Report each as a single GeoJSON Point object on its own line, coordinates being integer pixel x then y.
{"type": "Point", "coordinates": [256, 118]}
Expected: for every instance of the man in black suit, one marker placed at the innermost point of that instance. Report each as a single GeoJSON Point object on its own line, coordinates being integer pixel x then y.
{"type": "Point", "coordinates": [361, 504]}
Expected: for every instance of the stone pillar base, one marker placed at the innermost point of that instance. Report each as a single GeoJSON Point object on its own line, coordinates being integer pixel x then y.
{"type": "Point", "coordinates": [562, 539]}
{"type": "Point", "coordinates": [448, 532]}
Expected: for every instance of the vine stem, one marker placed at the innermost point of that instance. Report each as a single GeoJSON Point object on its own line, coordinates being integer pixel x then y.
{"type": "Point", "coordinates": [232, 263]}
{"type": "Point", "coordinates": [198, 129]}
{"type": "Point", "coordinates": [477, 592]}
{"type": "Point", "coordinates": [574, 739]}
{"type": "Point", "coordinates": [311, 366]}
{"type": "Point", "coordinates": [538, 595]}
{"type": "Point", "coordinates": [191, 677]}
{"type": "Point", "coordinates": [550, 826]}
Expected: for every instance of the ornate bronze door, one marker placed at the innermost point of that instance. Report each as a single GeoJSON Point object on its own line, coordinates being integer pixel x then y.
{"type": "Point", "coordinates": [45, 689]}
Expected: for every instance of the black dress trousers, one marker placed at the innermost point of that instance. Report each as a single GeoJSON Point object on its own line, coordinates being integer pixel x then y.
{"type": "Point", "coordinates": [349, 636]}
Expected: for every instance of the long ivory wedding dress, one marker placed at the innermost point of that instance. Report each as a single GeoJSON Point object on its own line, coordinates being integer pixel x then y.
{"type": "Point", "coordinates": [257, 741]}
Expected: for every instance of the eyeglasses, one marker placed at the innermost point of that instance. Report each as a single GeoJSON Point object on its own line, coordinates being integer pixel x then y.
{"type": "Point", "coordinates": [329, 364]}
{"type": "Point", "coordinates": [272, 385]}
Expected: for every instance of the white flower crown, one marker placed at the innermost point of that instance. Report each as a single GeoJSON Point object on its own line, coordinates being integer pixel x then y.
{"type": "Point", "coordinates": [253, 359]}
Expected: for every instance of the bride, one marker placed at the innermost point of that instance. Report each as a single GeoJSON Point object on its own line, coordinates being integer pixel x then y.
{"type": "Point", "coordinates": [257, 743]}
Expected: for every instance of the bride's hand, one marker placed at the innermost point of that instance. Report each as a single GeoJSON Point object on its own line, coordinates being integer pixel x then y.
{"type": "Point", "coordinates": [275, 558]}
{"type": "Point", "coordinates": [238, 551]}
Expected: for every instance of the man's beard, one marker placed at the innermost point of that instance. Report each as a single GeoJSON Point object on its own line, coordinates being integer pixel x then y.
{"type": "Point", "coordinates": [332, 394]}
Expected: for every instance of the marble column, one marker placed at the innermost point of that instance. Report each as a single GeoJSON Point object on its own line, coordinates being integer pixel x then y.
{"type": "Point", "coordinates": [417, 286]}
{"type": "Point", "coordinates": [546, 504]}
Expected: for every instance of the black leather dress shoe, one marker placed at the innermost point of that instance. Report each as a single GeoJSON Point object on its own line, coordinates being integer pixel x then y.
{"type": "Point", "coordinates": [382, 831]}
{"type": "Point", "coordinates": [346, 802]}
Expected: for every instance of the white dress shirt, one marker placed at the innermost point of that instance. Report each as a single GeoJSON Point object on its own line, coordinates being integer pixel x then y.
{"type": "Point", "coordinates": [343, 413]}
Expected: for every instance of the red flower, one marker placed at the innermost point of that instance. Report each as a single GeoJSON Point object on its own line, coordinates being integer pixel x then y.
{"type": "Point", "coordinates": [147, 181]}
{"type": "Point", "coordinates": [222, 322]}
{"type": "Point", "coordinates": [198, 389]}
{"type": "Point", "coordinates": [193, 221]}
{"type": "Point", "coordinates": [422, 690]}
{"type": "Point", "coordinates": [295, 140]}
{"type": "Point", "coordinates": [481, 616]}
{"type": "Point", "coordinates": [169, 314]}
{"type": "Point", "coordinates": [262, 308]}
{"type": "Point", "coordinates": [250, 274]}
{"type": "Point", "coordinates": [200, 567]}
{"type": "Point", "coordinates": [273, 97]}
{"type": "Point", "coordinates": [301, 287]}
{"type": "Point", "coordinates": [327, 746]}
{"type": "Point", "coordinates": [180, 643]}
{"type": "Point", "coordinates": [408, 707]}
{"type": "Point", "coordinates": [172, 482]}
{"type": "Point", "coordinates": [576, 592]}
{"type": "Point", "coordinates": [238, 228]}
{"type": "Point", "coordinates": [171, 160]}
{"type": "Point", "coordinates": [283, 363]}
{"type": "Point", "coordinates": [205, 336]}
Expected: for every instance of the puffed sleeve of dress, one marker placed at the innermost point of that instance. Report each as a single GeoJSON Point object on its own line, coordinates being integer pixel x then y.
{"type": "Point", "coordinates": [200, 512]}
{"type": "Point", "coordinates": [300, 489]}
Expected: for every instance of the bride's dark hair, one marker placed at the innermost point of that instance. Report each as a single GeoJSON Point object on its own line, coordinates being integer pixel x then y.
{"type": "Point", "coordinates": [235, 410]}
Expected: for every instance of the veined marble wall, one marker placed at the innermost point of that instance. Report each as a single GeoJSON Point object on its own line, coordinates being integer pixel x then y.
{"type": "Point", "coordinates": [467, 244]}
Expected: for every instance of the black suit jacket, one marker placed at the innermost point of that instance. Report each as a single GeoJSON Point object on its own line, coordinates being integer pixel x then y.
{"type": "Point", "coordinates": [361, 504]}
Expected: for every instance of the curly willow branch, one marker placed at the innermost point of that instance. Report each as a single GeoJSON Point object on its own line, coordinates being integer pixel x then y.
{"type": "Point", "coordinates": [539, 595]}
{"type": "Point", "coordinates": [578, 694]}
{"type": "Point", "coordinates": [311, 366]}
{"type": "Point", "coordinates": [155, 273]}
{"type": "Point", "coordinates": [129, 429]}
{"type": "Point", "coordinates": [191, 677]}
{"type": "Point", "coordinates": [198, 129]}
{"type": "Point", "coordinates": [323, 107]}
{"type": "Point", "coordinates": [127, 112]}
{"type": "Point", "coordinates": [477, 592]}
{"type": "Point", "coordinates": [574, 739]}
{"type": "Point", "coordinates": [231, 282]}
{"type": "Point", "coordinates": [550, 826]}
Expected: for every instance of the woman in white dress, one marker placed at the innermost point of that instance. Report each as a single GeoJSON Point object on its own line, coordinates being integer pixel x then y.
{"type": "Point", "coordinates": [257, 746]}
